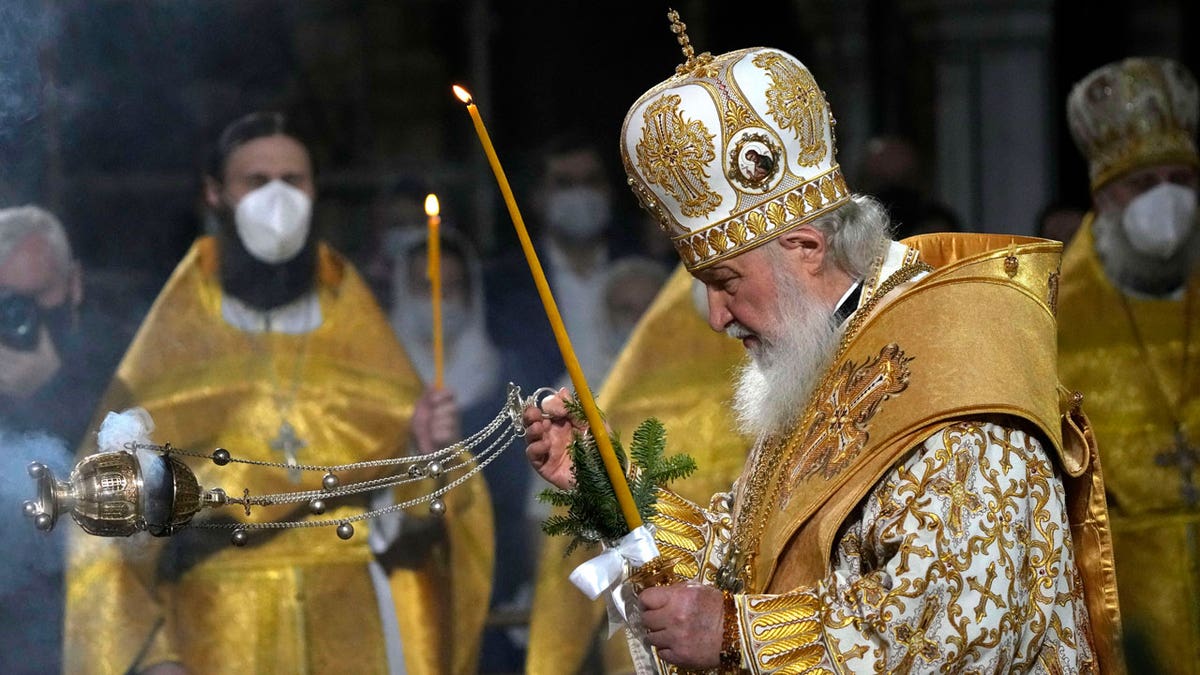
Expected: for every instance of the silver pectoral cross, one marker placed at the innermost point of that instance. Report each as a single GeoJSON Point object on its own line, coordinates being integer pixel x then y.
{"type": "Point", "coordinates": [289, 443]}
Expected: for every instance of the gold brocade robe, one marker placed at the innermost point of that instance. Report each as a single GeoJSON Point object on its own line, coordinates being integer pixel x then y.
{"type": "Point", "coordinates": [936, 461]}
{"type": "Point", "coordinates": [291, 601]}
{"type": "Point", "coordinates": [672, 368]}
{"type": "Point", "coordinates": [1135, 361]}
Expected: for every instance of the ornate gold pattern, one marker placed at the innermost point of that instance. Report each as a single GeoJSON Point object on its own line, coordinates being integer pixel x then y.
{"type": "Point", "coordinates": [691, 62]}
{"type": "Point", "coordinates": [708, 246]}
{"type": "Point", "coordinates": [1134, 113]}
{"type": "Point", "coordinates": [673, 154]}
{"type": "Point", "coordinates": [837, 431]}
{"type": "Point", "coordinates": [796, 103]}
{"type": "Point", "coordinates": [961, 502]}
{"type": "Point", "coordinates": [992, 585]}
{"type": "Point", "coordinates": [681, 532]}
{"type": "Point", "coordinates": [786, 632]}
{"type": "Point", "coordinates": [913, 587]}
{"type": "Point", "coordinates": [737, 116]}
{"type": "Point", "coordinates": [780, 180]}
{"type": "Point", "coordinates": [771, 453]}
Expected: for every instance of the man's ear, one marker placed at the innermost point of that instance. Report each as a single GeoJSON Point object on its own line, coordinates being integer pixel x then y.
{"type": "Point", "coordinates": [212, 192]}
{"type": "Point", "coordinates": [806, 245]}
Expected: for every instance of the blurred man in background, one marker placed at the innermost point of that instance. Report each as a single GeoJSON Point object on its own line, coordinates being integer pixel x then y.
{"type": "Point", "coordinates": [573, 202]}
{"type": "Point", "coordinates": [1129, 340]}
{"type": "Point", "coordinates": [54, 358]}
{"type": "Point", "coordinates": [48, 388]}
{"type": "Point", "coordinates": [267, 342]}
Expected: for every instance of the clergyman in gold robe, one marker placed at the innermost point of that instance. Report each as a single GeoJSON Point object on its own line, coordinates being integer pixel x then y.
{"type": "Point", "coordinates": [921, 495]}
{"type": "Point", "coordinates": [1129, 340]}
{"type": "Point", "coordinates": [267, 343]}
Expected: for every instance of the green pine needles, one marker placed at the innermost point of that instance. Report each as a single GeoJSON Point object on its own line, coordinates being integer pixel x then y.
{"type": "Point", "coordinates": [593, 514]}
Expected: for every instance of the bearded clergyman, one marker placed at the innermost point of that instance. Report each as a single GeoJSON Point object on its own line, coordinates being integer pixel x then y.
{"type": "Point", "coordinates": [1128, 339]}
{"type": "Point", "coordinates": [266, 341]}
{"type": "Point", "coordinates": [921, 496]}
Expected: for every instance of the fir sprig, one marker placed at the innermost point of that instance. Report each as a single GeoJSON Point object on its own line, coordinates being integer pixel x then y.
{"type": "Point", "coordinates": [593, 514]}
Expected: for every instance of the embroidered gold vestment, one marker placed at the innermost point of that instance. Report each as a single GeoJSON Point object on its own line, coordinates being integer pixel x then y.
{"type": "Point", "coordinates": [291, 601]}
{"type": "Point", "coordinates": [674, 369]}
{"type": "Point", "coordinates": [938, 504]}
{"type": "Point", "coordinates": [1134, 360]}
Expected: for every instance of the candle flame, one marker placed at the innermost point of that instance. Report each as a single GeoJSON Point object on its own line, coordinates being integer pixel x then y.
{"type": "Point", "coordinates": [431, 205]}
{"type": "Point", "coordinates": [462, 94]}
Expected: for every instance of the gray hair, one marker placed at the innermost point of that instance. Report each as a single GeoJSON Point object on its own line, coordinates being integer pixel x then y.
{"type": "Point", "coordinates": [19, 223]}
{"type": "Point", "coordinates": [856, 233]}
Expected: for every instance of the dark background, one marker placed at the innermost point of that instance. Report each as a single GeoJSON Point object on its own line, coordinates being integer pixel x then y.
{"type": "Point", "coordinates": [107, 106]}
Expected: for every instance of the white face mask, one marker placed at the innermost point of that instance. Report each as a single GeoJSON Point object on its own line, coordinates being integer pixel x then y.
{"type": "Point", "coordinates": [273, 221]}
{"type": "Point", "coordinates": [578, 212]}
{"type": "Point", "coordinates": [1159, 220]}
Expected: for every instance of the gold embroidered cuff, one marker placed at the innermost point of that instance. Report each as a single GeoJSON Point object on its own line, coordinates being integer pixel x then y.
{"type": "Point", "coordinates": [731, 637]}
{"type": "Point", "coordinates": [784, 632]}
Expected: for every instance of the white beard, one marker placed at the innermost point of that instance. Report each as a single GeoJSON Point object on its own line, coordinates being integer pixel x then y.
{"type": "Point", "coordinates": [774, 384]}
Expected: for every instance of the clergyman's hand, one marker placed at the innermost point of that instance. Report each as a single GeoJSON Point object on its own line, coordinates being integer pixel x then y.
{"type": "Point", "coordinates": [435, 422]}
{"type": "Point", "coordinates": [684, 622]}
{"type": "Point", "coordinates": [548, 433]}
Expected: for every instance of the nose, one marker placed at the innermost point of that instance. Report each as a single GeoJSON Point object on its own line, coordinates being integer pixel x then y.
{"type": "Point", "coordinates": [719, 315]}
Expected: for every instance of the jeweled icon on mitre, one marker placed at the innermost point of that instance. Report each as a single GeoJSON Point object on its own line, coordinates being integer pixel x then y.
{"type": "Point", "coordinates": [754, 161]}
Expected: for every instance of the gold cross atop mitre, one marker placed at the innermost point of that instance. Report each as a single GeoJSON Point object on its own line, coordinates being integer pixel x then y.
{"type": "Point", "coordinates": [690, 61]}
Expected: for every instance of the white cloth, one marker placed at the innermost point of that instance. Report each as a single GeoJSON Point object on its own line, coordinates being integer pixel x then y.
{"type": "Point", "coordinates": [300, 316]}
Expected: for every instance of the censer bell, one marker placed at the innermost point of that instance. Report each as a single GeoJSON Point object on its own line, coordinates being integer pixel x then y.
{"type": "Point", "coordinates": [117, 494]}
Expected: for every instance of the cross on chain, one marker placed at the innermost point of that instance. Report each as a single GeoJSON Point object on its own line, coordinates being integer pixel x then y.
{"type": "Point", "coordinates": [288, 443]}
{"type": "Point", "coordinates": [1187, 459]}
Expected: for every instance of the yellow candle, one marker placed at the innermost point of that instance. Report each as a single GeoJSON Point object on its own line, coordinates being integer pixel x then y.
{"type": "Point", "coordinates": [434, 272]}
{"type": "Point", "coordinates": [611, 465]}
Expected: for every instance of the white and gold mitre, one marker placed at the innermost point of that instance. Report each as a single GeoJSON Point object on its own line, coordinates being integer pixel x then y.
{"type": "Point", "coordinates": [1134, 113]}
{"type": "Point", "coordinates": [732, 151]}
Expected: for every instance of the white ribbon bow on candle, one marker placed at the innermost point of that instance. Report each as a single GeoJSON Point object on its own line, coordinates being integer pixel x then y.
{"type": "Point", "coordinates": [604, 574]}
